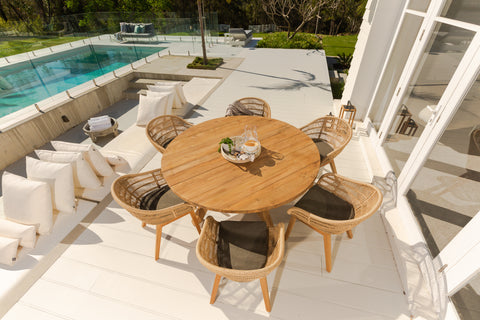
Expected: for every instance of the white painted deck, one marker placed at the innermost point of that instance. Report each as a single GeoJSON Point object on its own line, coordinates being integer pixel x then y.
{"type": "Point", "coordinates": [109, 272]}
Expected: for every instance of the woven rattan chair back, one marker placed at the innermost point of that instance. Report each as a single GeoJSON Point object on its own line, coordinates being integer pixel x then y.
{"type": "Point", "coordinates": [258, 106]}
{"type": "Point", "coordinates": [334, 131]}
{"type": "Point", "coordinates": [163, 129]}
{"type": "Point", "coordinates": [207, 255]}
{"type": "Point", "coordinates": [364, 197]}
{"type": "Point", "coordinates": [129, 190]}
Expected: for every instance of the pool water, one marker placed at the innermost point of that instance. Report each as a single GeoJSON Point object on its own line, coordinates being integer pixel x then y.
{"type": "Point", "coordinates": [28, 82]}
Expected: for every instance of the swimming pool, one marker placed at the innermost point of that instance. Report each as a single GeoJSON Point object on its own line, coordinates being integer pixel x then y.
{"type": "Point", "coordinates": [28, 82]}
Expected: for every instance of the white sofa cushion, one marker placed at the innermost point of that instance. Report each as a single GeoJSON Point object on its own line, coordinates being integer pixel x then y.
{"type": "Point", "coordinates": [83, 175]}
{"type": "Point", "coordinates": [115, 160]}
{"type": "Point", "coordinates": [178, 87]}
{"type": "Point", "coordinates": [158, 90]}
{"type": "Point", "coordinates": [59, 177]}
{"type": "Point", "coordinates": [133, 146]}
{"type": "Point", "coordinates": [25, 234]}
{"type": "Point", "coordinates": [27, 201]}
{"type": "Point", "coordinates": [8, 250]}
{"type": "Point", "coordinates": [150, 107]}
{"type": "Point", "coordinates": [96, 160]}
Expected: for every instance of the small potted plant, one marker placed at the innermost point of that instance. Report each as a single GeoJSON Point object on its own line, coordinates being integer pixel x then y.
{"type": "Point", "coordinates": [226, 143]}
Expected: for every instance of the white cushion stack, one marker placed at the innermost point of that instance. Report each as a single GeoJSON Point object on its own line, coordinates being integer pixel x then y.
{"type": "Point", "coordinates": [99, 123]}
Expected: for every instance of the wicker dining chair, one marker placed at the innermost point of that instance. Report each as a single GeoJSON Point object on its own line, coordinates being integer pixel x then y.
{"type": "Point", "coordinates": [147, 197]}
{"type": "Point", "coordinates": [331, 135]}
{"type": "Point", "coordinates": [257, 106]}
{"type": "Point", "coordinates": [207, 253]}
{"type": "Point", "coordinates": [163, 129]}
{"type": "Point", "coordinates": [335, 205]}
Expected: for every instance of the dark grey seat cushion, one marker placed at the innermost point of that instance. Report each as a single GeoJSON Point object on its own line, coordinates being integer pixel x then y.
{"type": "Point", "coordinates": [242, 245]}
{"type": "Point", "coordinates": [238, 109]}
{"type": "Point", "coordinates": [160, 198]}
{"type": "Point", "coordinates": [323, 148]}
{"type": "Point", "coordinates": [325, 204]}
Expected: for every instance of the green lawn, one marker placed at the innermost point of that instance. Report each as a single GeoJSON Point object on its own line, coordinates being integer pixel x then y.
{"type": "Point", "coordinates": [333, 45]}
{"type": "Point", "coordinates": [8, 48]}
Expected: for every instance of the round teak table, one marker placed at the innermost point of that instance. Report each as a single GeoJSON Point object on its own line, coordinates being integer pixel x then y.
{"type": "Point", "coordinates": [198, 173]}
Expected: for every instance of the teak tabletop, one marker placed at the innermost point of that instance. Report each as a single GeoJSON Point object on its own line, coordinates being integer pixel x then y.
{"type": "Point", "coordinates": [198, 173]}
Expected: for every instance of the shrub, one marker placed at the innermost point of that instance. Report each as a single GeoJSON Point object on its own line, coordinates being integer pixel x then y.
{"type": "Point", "coordinates": [345, 60]}
{"type": "Point", "coordinates": [337, 88]}
{"type": "Point", "coordinates": [280, 40]}
{"type": "Point", "coordinates": [212, 64]}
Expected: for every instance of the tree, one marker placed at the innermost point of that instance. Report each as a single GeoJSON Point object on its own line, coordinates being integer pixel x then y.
{"type": "Point", "coordinates": [292, 12]}
{"type": "Point", "coordinates": [200, 20]}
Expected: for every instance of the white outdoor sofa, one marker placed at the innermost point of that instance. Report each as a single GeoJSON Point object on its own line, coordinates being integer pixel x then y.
{"type": "Point", "coordinates": [240, 36]}
{"type": "Point", "coordinates": [133, 146]}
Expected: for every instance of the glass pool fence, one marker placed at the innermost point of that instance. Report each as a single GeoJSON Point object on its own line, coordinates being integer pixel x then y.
{"type": "Point", "coordinates": [40, 64]}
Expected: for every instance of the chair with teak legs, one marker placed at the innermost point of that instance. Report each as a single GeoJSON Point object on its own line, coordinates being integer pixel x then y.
{"type": "Point", "coordinates": [147, 197]}
{"type": "Point", "coordinates": [335, 205]}
{"type": "Point", "coordinates": [241, 251]}
{"type": "Point", "coordinates": [331, 135]}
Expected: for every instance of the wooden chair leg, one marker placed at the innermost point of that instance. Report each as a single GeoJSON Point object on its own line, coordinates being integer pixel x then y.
{"type": "Point", "coordinates": [332, 165]}
{"type": "Point", "coordinates": [327, 243]}
{"type": "Point", "coordinates": [157, 242]}
{"type": "Point", "coordinates": [215, 288]}
{"type": "Point", "coordinates": [201, 213]}
{"type": "Point", "coordinates": [350, 234]}
{"type": "Point", "coordinates": [195, 221]}
{"type": "Point", "coordinates": [266, 297]}
{"type": "Point", "coordinates": [290, 226]}
{"type": "Point", "coordinates": [143, 224]}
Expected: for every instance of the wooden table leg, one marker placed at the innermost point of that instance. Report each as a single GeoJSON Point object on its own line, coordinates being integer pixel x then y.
{"type": "Point", "coordinates": [201, 212]}
{"type": "Point", "coordinates": [266, 217]}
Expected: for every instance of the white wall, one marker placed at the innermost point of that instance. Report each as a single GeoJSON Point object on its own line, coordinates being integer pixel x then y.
{"type": "Point", "coordinates": [374, 41]}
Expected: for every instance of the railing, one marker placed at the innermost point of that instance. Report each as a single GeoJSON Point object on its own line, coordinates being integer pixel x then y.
{"type": "Point", "coordinates": [91, 34]}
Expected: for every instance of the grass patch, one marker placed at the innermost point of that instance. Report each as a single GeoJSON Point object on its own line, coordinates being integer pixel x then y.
{"type": "Point", "coordinates": [335, 45]}
{"type": "Point", "coordinates": [9, 48]}
{"type": "Point", "coordinates": [280, 40]}
{"type": "Point", "coordinates": [212, 64]}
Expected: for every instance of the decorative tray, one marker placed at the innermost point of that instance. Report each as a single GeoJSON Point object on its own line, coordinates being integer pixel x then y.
{"type": "Point", "coordinates": [238, 156]}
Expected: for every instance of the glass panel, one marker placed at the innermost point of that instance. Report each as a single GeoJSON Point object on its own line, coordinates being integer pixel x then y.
{"type": "Point", "coordinates": [419, 5]}
{"type": "Point", "coordinates": [436, 67]}
{"type": "Point", "coordinates": [463, 10]}
{"type": "Point", "coordinates": [445, 194]}
{"type": "Point", "coordinates": [467, 300]}
{"type": "Point", "coordinates": [398, 58]}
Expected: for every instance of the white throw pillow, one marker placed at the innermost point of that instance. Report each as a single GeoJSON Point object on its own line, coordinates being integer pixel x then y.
{"type": "Point", "coordinates": [27, 202]}
{"type": "Point", "coordinates": [59, 176]}
{"type": "Point", "coordinates": [83, 175]}
{"type": "Point", "coordinates": [169, 103]}
{"type": "Point", "coordinates": [156, 90]}
{"type": "Point", "coordinates": [25, 234]}
{"type": "Point", "coordinates": [151, 107]}
{"type": "Point", "coordinates": [8, 250]}
{"type": "Point", "coordinates": [178, 87]}
{"type": "Point", "coordinates": [98, 163]}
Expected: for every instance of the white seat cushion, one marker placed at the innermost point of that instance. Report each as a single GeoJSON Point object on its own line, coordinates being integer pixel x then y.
{"type": "Point", "coordinates": [151, 107]}
{"type": "Point", "coordinates": [59, 176]}
{"type": "Point", "coordinates": [158, 90]}
{"type": "Point", "coordinates": [178, 87]}
{"type": "Point", "coordinates": [27, 202]}
{"type": "Point", "coordinates": [96, 160]}
{"type": "Point", "coordinates": [8, 250]}
{"type": "Point", "coordinates": [26, 235]}
{"type": "Point", "coordinates": [83, 175]}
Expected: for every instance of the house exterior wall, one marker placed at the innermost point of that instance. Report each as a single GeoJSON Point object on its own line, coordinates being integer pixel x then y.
{"type": "Point", "coordinates": [374, 40]}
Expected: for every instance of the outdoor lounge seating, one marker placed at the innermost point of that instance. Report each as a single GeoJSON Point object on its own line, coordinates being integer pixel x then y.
{"type": "Point", "coordinates": [335, 205]}
{"type": "Point", "coordinates": [249, 106]}
{"type": "Point", "coordinates": [331, 135]}
{"type": "Point", "coordinates": [163, 129]}
{"type": "Point", "coordinates": [215, 250]}
{"type": "Point", "coordinates": [241, 36]}
{"type": "Point", "coordinates": [147, 196]}
{"type": "Point", "coordinates": [137, 31]}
